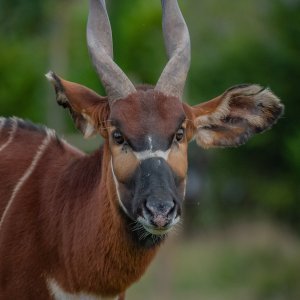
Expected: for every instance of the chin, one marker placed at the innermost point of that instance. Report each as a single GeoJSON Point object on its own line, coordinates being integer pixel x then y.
{"type": "Point", "coordinates": [149, 236]}
{"type": "Point", "coordinates": [147, 239]}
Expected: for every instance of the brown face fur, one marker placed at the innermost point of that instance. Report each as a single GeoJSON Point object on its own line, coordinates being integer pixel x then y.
{"type": "Point", "coordinates": [142, 129]}
{"type": "Point", "coordinates": [143, 115]}
{"type": "Point", "coordinates": [147, 142]}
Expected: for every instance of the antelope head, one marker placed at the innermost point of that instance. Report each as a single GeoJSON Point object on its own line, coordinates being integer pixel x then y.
{"type": "Point", "coordinates": [148, 129]}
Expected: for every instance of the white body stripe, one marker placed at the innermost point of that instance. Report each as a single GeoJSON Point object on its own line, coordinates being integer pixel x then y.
{"type": "Point", "coordinates": [59, 294]}
{"type": "Point", "coordinates": [150, 154]}
{"type": "Point", "coordinates": [71, 147]}
{"type": "Point", "coordinates": [117, 189]}
{"type": "Point", "coordinates": [28, 172]}
{"type": "Point", "coordinates": [11, 134]}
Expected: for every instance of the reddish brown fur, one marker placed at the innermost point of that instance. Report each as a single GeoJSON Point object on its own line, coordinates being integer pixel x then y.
{"type": "Point", "coordinates": [65, 222]}
{"type": "Point", "coordinates": [147, 110]}
{"type": "Point", "coordinates": [64, 219]}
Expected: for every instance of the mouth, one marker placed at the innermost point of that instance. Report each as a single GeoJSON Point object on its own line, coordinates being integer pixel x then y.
{"type": "Point", "coordinates": [154, 230]}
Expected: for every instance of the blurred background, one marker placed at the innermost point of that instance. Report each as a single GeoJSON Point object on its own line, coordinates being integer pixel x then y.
{"type": "Point", "coordinates": [240, 237]}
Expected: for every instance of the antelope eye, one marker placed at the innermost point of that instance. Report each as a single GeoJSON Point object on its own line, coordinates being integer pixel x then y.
{"type": "Point", "coordinates": [179, 134]}
{"type": "Point", "coordinates": [118, 137]}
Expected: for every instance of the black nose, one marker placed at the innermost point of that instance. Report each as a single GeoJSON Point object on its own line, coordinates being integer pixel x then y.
{"type": "Point", "coordinates": [160, 213]}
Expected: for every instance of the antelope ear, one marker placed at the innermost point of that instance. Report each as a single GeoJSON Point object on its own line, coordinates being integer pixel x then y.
{"type": "Point", "coordinates": [232, 118]}
{"type": "Point", "coordinates": [88, 109]}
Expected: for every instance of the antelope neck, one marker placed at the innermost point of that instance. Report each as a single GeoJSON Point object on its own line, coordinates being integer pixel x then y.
{"type": "Point", "coordinates": [99, 264]}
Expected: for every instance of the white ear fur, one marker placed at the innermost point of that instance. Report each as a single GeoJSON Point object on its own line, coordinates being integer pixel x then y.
{"type": "Point", "coordinates": [260, 97]}
{"type": "Point", "coordinates": [59, 90]}
{"type": "Point", "coordinates": [243, 111]}
{"type": "Point", "coordinates": [89, 129]}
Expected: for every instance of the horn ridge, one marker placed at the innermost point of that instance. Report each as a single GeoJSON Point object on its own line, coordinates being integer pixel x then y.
{"type": "Point", "coordinates": [177, 43]}
{"type": "Point", "coordinates": [99, 40]}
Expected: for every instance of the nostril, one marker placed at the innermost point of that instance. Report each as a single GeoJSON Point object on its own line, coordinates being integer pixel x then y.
{"type": "Point", "coordinates": [173, 208]}
{"type": "Point", "coordinates": [164, 208]}
{"type": "Point", "coordinates": [160, 213]}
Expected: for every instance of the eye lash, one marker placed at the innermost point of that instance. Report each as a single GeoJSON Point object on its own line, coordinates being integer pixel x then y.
{"type": "Point", "coordinates": [179, 140]}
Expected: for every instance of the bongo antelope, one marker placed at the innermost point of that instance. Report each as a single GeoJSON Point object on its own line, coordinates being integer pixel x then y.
{"type": "Point", "coordinates": [77, 226]}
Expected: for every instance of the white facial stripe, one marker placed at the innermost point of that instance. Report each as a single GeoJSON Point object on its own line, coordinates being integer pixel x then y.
{"type": "Point", "coordinates": [26, 175]}
{"type": "Point", "coordinates": [142, 155]}
{"type": "Point", "coordinates": [59, 294]}
{"type": "Point", "coordinates": [117, 189]}
{"type": "Point", "coordinates": [150, 154]}
{"type": "Point", "coordinates": [150, 142]}
{"type": "Point", "coordinates": [184, 189]}
{"type": "Point", "coordinates": [11, 134]}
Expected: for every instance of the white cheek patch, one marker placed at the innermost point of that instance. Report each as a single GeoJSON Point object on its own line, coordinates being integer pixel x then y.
{"type": "Point", "coordinates": [117, 189]}
{"type": "Point", "coordinates": [150, 154]}
{"type": "Point", "coordinates": [59, 294]}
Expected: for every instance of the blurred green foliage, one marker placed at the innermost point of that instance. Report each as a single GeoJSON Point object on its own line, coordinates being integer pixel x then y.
{"type": "Point", "coordinates": [232, 42]}
{"type": "Point", "coordinates": [250, 261]}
